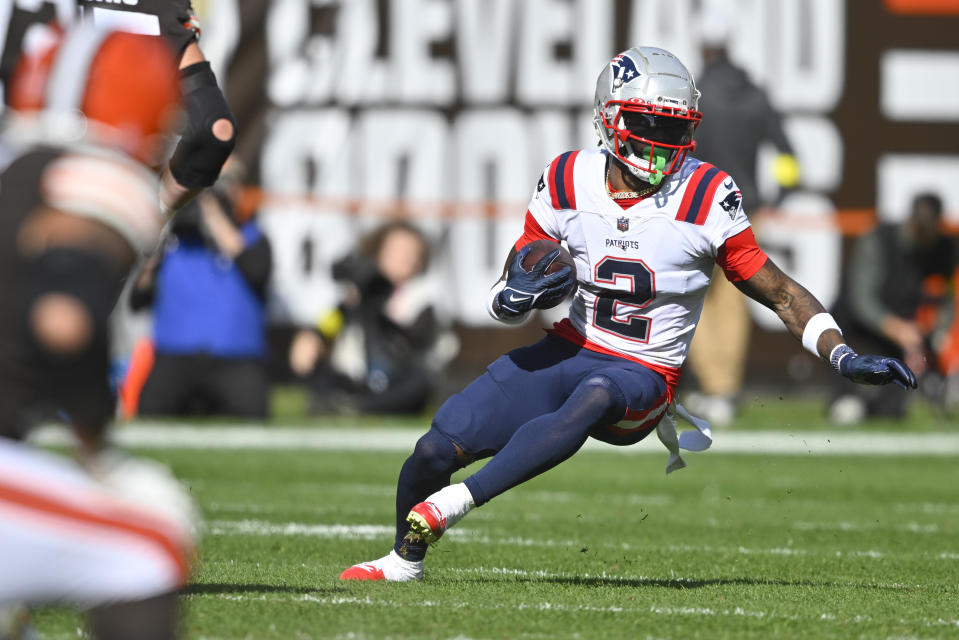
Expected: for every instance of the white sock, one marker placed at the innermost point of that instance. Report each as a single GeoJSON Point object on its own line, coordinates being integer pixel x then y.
{"type": "Point", "coordinates": [399, 569]}
{"type": "Point", "coordinates": [454, 502]}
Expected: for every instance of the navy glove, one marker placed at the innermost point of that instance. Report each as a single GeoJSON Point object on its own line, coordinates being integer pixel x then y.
{"type": "Point", "coordinates": [531, 289]}
{"type": "Point", "coordinates": [871, 369]}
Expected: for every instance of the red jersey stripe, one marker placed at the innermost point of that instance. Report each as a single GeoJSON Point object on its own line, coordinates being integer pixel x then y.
{"type": "Point", "coordinates": [707, 202]}
{"type": "Point", "coordinates": [551, 178]}
{"type": "Point", "coordinates": [568, 179]}
{"type": "Point", "coordinates": [127, 522]}
{"type": "Point", "coordinates": [531, 232]}
{"type": "Point", "coordinates": [691, 186]}
{"type": "Point", "coordinates": [560, 176]}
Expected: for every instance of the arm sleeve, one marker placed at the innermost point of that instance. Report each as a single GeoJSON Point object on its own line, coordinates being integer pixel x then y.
{"type": "Point", "coordinates": [740, 257]}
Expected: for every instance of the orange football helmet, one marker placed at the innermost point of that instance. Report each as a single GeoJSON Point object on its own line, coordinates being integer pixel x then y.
{"type": "Point", "coordinates": [120, 89]}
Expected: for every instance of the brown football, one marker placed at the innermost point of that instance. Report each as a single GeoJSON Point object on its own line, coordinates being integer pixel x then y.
{"type": "Point", "coordinates": [539, 248]}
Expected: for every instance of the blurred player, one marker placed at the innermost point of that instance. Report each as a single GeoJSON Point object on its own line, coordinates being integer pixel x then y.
{"type": "Point", "coordinates": [644, 224]}
{"type": "Point", "coordinates": [209, 135]}
{"type": "Point", "coordinates": [89, 115]}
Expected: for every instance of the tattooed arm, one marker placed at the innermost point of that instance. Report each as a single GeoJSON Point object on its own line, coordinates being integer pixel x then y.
{"type": "Point", "coordinates": [792, 303]}
{"type": "Point", "coordinates": [795, 306]}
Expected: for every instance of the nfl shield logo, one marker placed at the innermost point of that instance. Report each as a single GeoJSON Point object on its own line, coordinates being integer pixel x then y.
{"type": "Point", "coordinates": [622, 224]}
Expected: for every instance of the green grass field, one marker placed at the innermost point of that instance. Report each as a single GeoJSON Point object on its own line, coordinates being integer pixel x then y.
{"type": "Point", "coordinates": [604, 546]}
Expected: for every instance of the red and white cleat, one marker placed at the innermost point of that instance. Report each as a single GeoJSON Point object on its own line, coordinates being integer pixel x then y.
{"type": "Point", "coordinates": [431, 518]}
{"type": "Point", "coordinates": [391, 568]}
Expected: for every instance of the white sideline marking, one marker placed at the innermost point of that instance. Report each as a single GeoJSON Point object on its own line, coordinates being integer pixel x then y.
{"type": "Point", "coordinates": [146, 435]}
{"type": "Point", "coordinates": [335, 531]}
{"type": "Point", "coordinates": [557, 606]}
{"type": "Point", "coordinates": [909, 527]}
{"type": "Point", "coordinates": [473, 536]}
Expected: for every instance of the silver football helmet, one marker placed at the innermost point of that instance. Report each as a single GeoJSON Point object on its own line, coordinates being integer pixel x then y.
{"type": "Point", "coordinates": [645, 111]}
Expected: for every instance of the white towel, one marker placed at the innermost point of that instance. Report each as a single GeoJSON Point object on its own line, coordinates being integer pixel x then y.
{"type": "Point", "coordinates": [698, 439]}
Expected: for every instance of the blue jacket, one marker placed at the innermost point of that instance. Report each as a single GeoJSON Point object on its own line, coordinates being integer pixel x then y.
{"type": "Point", "coordinates": [203, 303]}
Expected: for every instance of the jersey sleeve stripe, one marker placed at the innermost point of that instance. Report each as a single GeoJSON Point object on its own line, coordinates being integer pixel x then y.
{"type": "Point", "coordinates": [561, 181]}
{"type": "Point", "coordinates": [707, 201]}
{"type": "Point", "coordinates": [695, 194]}
{"type": "Point", "coordinates": [551, 179]}
{"type": "Point", "coordinates": [568, 186]}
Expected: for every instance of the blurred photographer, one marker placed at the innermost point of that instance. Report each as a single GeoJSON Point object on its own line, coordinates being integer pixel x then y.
{"type": "Point", "coordinates": [385, 340]}
{"type": "Point", "coordinates": [895, 299]}
{"type": "Point", "coordinates": [209, 313]}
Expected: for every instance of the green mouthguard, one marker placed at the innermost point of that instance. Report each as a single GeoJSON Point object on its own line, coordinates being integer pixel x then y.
{"type": "Point", "coordinates": [659, 159]}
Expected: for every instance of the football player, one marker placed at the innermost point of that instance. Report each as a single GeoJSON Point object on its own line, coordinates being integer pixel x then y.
{"type": "Point", "coordinates": [89, 114]}
{"type": "Point", "coordinates": [210, 132]}
{"type": "Point", "coordinates": [644, 222]}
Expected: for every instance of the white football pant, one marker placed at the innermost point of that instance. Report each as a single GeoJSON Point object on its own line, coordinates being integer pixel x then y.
{"type": "Point", "coordinates": [66, 536]}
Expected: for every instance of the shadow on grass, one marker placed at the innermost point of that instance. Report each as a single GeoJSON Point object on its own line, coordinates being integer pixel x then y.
{"type": "Point", "coordinates": [218, 588]}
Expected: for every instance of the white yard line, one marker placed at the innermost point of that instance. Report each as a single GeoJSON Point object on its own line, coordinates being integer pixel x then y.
{"type": "Point", "coordinates": [473, 536]}
{"type": "Point", "coordinates": [545, 605]}
{"type": "Point", "coordinates": [147, 435]}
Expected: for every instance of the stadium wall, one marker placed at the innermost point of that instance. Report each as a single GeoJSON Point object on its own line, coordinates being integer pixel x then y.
{"type": "Point", "coordinates": [446, 111]}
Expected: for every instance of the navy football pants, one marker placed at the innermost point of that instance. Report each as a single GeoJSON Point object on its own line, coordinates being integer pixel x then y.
{"type": "Point", "coordinates": [533, 408]}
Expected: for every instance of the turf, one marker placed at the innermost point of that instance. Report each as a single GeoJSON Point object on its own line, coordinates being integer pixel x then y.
{"type": "Point", "coordinates": [604, 546]}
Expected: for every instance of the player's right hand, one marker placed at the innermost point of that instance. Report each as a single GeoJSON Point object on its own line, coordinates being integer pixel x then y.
{"type": "Point", "coordinates": [533, 289]}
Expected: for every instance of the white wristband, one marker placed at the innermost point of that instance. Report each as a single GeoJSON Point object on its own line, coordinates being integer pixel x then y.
{"type": "Point", "coordinates": [817, 324]}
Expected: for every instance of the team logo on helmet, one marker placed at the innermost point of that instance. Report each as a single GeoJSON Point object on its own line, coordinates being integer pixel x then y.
{"type": "Point", "coordinates": [622, 224]}
{"type": "Point", "coordinates": [624, 69]}
{"type": "Point", "coordinates": [730, 203]}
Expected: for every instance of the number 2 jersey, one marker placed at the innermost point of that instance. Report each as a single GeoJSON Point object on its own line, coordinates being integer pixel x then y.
{"type": "Point", "coordinates": [643, 271]}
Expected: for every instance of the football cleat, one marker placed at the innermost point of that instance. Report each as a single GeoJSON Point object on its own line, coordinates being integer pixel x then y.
{"type": "Point", "coordinates": [431, 518]}
{"type": "Point", "coordinates": [391, 568]}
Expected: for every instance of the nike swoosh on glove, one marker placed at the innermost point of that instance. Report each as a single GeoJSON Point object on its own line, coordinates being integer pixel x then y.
{"type": "Point", "coordinates": [869, 369]}
{"type": "Point", "coordinates": [531, 289]}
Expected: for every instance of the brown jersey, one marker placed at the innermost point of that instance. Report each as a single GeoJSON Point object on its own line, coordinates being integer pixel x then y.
{"type": "Point", "coordinates": [88, 183]}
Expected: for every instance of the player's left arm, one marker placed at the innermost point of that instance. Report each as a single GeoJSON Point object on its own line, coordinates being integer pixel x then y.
{"type": "Point", "coordinates": [807, 320]}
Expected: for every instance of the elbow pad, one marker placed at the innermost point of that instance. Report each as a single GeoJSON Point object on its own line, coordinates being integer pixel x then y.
{"type": "Point", "coordinates": [200, 155]}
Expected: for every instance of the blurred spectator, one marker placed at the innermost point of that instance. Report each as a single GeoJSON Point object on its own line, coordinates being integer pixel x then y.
{"type": "Point", "coordinates": [895, 298]}
{"type": "Point", "coordinates": [208, 295]}
{"type": "Point", "coordinates": [739, 118]}
{"type": "Point", "coordinates": [387, 322]}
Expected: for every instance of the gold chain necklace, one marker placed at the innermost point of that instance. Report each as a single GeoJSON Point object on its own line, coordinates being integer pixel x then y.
{"type": "Point", "coordinates": [624, 195]}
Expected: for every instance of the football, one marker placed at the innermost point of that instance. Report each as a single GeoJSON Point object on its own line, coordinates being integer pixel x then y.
{"type": "Point", "coordinates": [539, 248]}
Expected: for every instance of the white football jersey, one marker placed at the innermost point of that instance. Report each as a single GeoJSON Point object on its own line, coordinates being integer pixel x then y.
{"type": "Point", "coordinates": [643, 272]}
